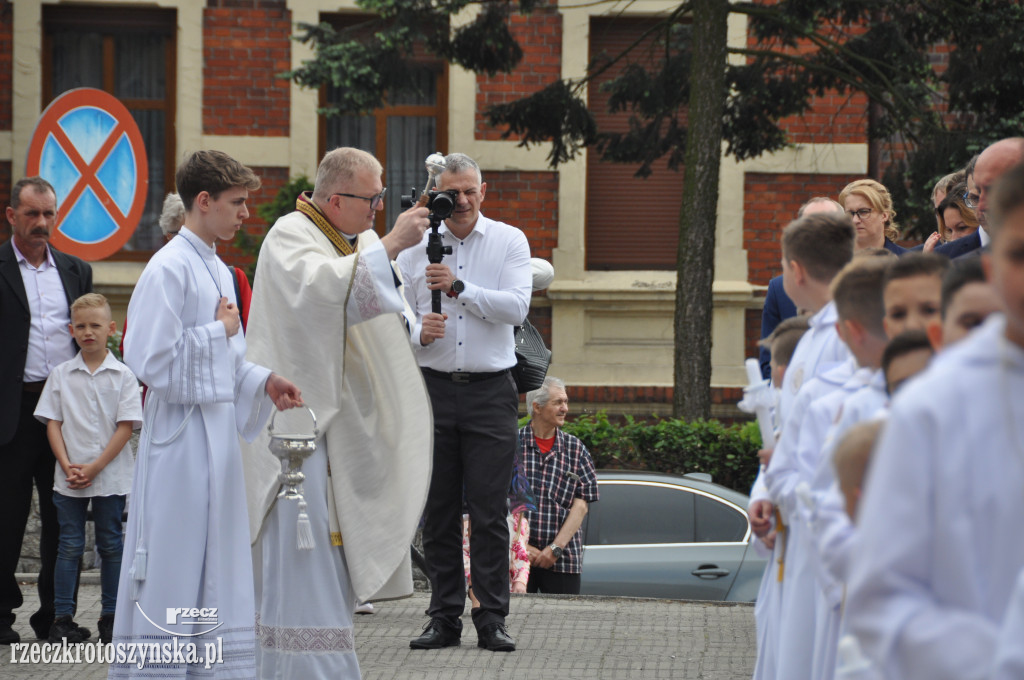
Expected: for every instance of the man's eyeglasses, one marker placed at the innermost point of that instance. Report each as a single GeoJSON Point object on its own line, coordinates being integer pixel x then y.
{"type": "Point", "coordinates": [970, 200]}
{"type": "Point", "coordinates": [375, 201]}
{"type": "Point", "coordinates": [863, 213]}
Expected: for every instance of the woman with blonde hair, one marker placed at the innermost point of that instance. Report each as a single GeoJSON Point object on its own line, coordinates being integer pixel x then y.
{"type": "Point", "coordinates": [869, 205]}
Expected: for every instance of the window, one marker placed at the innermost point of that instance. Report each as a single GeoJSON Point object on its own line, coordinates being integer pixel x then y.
{"type": "Point", "coordinates": [401, 135]}
{"type": "Point", "coordinates": [637, 514]}
{"type": "Point", "coordinates": [631, 223]}
{"type": "Point", "coordinates": [718, 522]}
{"type": "Point", "coordinates": [129, 53]}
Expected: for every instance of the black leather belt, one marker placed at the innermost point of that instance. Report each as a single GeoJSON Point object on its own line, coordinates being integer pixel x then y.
{"type": "Point", "coordinates": [33, 387]}
{"type": "Point", "coordinates": [462, 377]}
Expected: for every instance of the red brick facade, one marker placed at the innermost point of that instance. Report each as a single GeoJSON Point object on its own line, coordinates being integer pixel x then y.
{"type": "Point", "coordinates": [245, 46]}
{"type": "Point", "coordinates": [540, 36]}
{"type": "Point", "coordinates": [528, 200]}
{"type": "Point", "coordinates": [6, 63]}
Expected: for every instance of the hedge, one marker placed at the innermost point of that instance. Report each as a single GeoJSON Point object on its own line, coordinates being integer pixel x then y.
{"type": "Point", "coordinates": [727, 453]}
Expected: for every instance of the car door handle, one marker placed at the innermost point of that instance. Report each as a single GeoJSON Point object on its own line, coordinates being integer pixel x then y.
{"type": "Point", "coordinates": [709, 571]}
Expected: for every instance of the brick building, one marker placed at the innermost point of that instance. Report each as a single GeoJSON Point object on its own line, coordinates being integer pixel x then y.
{"type": "Point", "coordinates": [204, 74]}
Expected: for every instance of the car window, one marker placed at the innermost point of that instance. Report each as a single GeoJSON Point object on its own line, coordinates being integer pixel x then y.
{"type": "Point", "coordinates": [641, 513]}
{"type": "Point", "coordinates": [718, 522]}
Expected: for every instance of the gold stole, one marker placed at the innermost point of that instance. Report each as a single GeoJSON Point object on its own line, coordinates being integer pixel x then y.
{"type": "Point", "coordinates": [305, 205]}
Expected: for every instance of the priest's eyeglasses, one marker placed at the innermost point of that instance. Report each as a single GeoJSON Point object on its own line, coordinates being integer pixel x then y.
{"type": "Point", "coordinates": [375, 201]}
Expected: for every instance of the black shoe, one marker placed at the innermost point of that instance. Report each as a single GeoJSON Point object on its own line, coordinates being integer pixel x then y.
{"type": "Point", "coordinates": [41, 623]}
{"type": "Point", "coordinates": [106, 628]}
{"type": "Point", "coordinates": [64, 627]}
{"type": "Point", "coordinates": [494, 637]}
{"type": "Point", "coordinates": [9, 636]}
{"type": "Point", "coordinates": [437, 635]}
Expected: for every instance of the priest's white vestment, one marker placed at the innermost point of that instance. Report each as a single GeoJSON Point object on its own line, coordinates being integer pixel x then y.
{"type": "Point", "coordinates": [334, 325]}
{"type": "Point", "coordinates": [186, 545]}
{"type": "Point", "coordinates": [938, 549]}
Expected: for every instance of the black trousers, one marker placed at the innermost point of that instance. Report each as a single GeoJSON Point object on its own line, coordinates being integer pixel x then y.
{"type": "Point", "coordinates": [26, 459]}
{"type": "Point", "coordinates": [552, 582]}
{"type": "Point", "coordinates": [475, 427]}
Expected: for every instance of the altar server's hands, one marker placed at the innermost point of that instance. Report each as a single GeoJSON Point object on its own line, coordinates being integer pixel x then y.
{"type": "Point", "coordinates": [227, 313]}
{"type": "Point", "coordinates": [283, 392]}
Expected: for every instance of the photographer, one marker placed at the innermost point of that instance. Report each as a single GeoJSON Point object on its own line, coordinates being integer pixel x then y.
{"type": "Point", "coordinates": [465, 353]}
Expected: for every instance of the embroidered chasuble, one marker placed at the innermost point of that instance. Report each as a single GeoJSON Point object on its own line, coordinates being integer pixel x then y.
{"type": "Point", "coordinates": [332, 321]}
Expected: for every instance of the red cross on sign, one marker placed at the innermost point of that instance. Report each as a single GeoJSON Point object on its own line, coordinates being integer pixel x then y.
{"type": "Point", "coordinates": [87, 145]}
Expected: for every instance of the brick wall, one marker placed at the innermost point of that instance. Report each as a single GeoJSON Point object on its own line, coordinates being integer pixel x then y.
{"type": "Point", "coordinates": [5, 197]}
{"type": "Point", "coordinates": [540, 36]}
{"type": "Point", "coordinates": [528, 200]}
{"type": "Point", "coordinates": [245, 46]}
{"type": "Point", "coordinates": [273, 178]}
{"type": "Point", "coordinates": [6, 63]}
{"type": "Point", "coordinates": [770, 202]}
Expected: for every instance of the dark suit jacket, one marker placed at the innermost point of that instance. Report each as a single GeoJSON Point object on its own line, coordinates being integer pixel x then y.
{"type": "Point", "coordinates": [777, 306]}
{"type": "Point", "coordinates": [76, 276]}
{"type": "Point", "coordinates": [894, 249]}
{"type": "Point", "coordinates": [960, 246]}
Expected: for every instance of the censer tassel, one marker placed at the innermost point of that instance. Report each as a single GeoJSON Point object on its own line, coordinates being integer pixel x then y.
{"type": "Point", "coordinates": [304, 530]}
{"type": "Point", "coordinates": [138, 572]}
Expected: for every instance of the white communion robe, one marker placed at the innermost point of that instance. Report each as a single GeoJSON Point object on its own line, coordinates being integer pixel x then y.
{"type": "Point", "coordinates": [820, 349]}
{"type": "Point", "coordinates": [334, 325]}
{"type": "Point", "coordinates": [1009, 664]}
{"type": "Point", "coordinates": [186, 545]}
{"type": "Point", "coordinates": [938, 549]}
{"type": "Point", "coordinates": [823, 397]}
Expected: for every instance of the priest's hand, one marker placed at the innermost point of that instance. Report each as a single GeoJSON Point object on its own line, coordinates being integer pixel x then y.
{"type": "Point", "coordinates": [283, 392]}
{"type": "Point", "coordinates": [227, 313]}
{"type": "Point", "coordinates": [407, 232]}
{"type": "Point", "coordinates": [432, 328]}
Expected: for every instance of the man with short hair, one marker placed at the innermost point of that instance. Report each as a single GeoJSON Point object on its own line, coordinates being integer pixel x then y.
{"type": "Point", "coordinates": [37, 285]}
{"type": "Point", "coordinates": [562, 476]}
{"type": "Point", "coordinates": [990, 165]}
{"type": "Point", "coordinates": [777, 305]}
{"type": "Point", "coordinates": [465, 353]}
{"type": "Point", "coordinates": [328, 309]}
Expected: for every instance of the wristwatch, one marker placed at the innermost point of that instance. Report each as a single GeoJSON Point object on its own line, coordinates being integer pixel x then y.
{"type": "Point", "coordinates": [457, 287]}
{"type": "Point", "coordinates": [556, 551]}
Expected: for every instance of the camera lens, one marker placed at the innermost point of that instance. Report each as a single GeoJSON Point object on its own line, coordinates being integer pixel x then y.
{"type": "Point", "coordinates": [442, 204]}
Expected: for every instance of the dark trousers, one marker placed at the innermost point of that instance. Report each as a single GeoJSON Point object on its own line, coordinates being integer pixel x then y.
{"type": "Point", "coordinates": [552, 582]}
{"type": "Point", "coordinates": [475, 427]}
{"type": "Point", "coordinates": [27, 458]}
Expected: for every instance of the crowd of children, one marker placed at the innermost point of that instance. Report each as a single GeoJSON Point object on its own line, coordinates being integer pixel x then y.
{"type": "Point", "coordinates": [892, 527]}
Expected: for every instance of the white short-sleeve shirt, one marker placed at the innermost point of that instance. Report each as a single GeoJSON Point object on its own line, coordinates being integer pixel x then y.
{"type": "Point", "coordinates": [89, 407]}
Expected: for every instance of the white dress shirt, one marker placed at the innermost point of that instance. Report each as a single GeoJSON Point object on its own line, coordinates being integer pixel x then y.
{"type": "Point", "coordinates": [49, 340]}
{"type": "Point", "coordinates": [89, 407]}
{"type": "Point", "coordinates": [494, 263]}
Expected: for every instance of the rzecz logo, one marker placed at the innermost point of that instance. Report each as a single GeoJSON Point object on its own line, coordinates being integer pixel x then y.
{"type": "Point", "coordinates": [186, 616]}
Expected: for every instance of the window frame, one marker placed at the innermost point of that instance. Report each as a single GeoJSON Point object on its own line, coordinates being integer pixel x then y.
{"type": "Point", "coordinates": [109, 22]}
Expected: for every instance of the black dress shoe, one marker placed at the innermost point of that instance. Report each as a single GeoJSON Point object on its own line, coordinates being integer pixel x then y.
{"type": "Point", "coordinates": [437, 635]}
{"type": "Point", "coordinates": [63, 627]}
{"type": "Point", "coordinates": [494, 637]}
{"type": "Point", "coordinates": [9, 636]}
{"type": "Point", "coordinates": [41, 623]}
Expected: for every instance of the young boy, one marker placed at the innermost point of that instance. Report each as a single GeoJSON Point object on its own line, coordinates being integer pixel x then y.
{"type": "Point", "coordinates": [913, 292]}
{"type": "Point", "coordinates": [937, 561]}
{"type": "Point", "coordinates": [814, 249]}
{"type": "Point", "coordinates": [905, 356]}
{"type": "Point", "coordinates": [782, 342]}
{"type": "Point", "coordinates": [857, 295]}
{"type": "Point", "coordinates": [967, 300]}
{"type": "Point", "coordinates": [187, 545]}
{"type": "Point", "coordinates": [90, 406]}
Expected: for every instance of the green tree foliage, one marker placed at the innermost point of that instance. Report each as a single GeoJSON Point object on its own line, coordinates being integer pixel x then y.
{"type": "Point", "coordinates": [727, 453]}
{"type": "Point", "coordinates": [687, 93]}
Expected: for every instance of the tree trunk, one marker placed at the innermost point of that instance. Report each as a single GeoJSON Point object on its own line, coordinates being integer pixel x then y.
{"type": "Point", "coordinates": [695, 262]}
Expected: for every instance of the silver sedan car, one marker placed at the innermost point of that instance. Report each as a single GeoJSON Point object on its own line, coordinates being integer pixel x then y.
{"type": "Point", "coordinates": [669, 536]}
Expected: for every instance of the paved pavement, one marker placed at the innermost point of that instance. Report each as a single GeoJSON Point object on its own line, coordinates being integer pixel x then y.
{"type": "Point", "coordinates": [596, 638]}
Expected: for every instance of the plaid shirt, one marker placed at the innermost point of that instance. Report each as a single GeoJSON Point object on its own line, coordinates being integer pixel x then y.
{"type": "Point", "coordinates": [565, 473]}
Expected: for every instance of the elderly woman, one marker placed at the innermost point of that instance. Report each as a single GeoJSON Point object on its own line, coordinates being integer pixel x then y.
{"type": "Point", "coordinates": [869, 205]}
